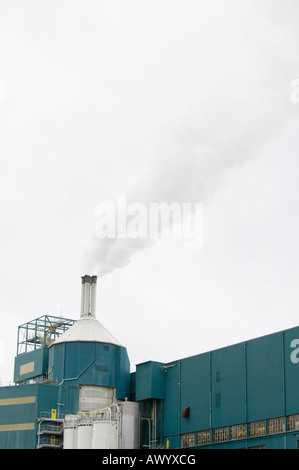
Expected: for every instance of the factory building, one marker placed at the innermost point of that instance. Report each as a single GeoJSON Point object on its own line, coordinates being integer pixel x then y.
{"type": "Point", "coordinates": [74, 390]}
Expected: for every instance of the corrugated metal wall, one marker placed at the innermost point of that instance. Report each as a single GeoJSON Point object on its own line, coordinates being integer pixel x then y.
{"type": "Point", "coordinates": [91, 363]}
{"type": "Point", "coordinates": [229, 387]}
{"type": "Point", "coordinates": [31, 364]}
{"type": "Point", "coordinates": [20, 406]}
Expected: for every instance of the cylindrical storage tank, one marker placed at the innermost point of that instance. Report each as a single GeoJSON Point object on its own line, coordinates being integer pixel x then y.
{"type": "Point", "coordinates": [84, 436]}
{"type": "Point", "coordinates": [105, 435]}
{"type": "Point", "coordinates": [69, 438]}
{"type": "Point", "coordinates": [70, 432]}
{"type": "Point", "coordinates": [129, 425]}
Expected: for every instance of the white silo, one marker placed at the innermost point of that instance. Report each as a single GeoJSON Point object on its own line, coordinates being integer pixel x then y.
{"type": "Point", "coordinates": [105, 435]}
{"type": "Point", "coordinates": [84, 436]}
{"type": "Point", "coordinates": [70, 432]}
{"type": "Point", "coordinates": [129, 425]}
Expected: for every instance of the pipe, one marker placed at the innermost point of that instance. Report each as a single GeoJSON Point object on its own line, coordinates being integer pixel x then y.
{"type": "Point", "coordinates": [149, 431]}
{"type": "Point", "coordinates": [86, 296]}
{"type": "Point", "coordinates": [75, 378]}
{"type": "Point", "coordinates": [82, 296]}
{"type": "Point", "coordinates": [93, 296]}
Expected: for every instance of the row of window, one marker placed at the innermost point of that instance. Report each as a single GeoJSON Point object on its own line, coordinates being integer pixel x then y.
{"type": "Point", "coordinates": [240, 431]}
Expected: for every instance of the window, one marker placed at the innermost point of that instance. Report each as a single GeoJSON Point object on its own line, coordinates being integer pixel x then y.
{"type": "Point", "coordinates": [218, 376]}
{"type": "Point", "coordinates": [220, 434]}
{"type": "Point", "coordinates": [238, 431]}
{"type": "Point", "coordinates": [188, 440]}
{"type": "Point", "coordinates": [293, 422]}
{"type": "Point", "coordinates": [275, 425]}
{"type": "Point", "coordinates": [203, 437]}
{"type": "Point", "coordinates": [257, 428]}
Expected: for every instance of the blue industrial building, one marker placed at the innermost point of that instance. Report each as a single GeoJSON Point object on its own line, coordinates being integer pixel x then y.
{"type": "Point", "coordinates": [240, 396]}
{"type": "Point", "coordinates": [69, 373]}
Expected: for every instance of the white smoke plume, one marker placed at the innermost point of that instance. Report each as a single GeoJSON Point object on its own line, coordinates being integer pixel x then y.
{"type": "Point", "coordinates": [239, 102]}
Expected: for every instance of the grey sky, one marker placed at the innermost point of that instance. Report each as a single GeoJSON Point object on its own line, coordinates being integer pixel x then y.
{"type": "Point", "coordinates": [163, 101]}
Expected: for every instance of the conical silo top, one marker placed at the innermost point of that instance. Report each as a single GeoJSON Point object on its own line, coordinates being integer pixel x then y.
{"type": "Point", "coordinates": [88, 329]}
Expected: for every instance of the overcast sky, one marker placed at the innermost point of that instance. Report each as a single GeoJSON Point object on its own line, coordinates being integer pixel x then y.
{"type": "Point", "coordinates": [160, 100]}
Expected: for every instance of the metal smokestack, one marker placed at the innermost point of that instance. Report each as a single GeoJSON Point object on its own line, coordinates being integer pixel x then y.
{"type": "Point", "coordinates": [93, 298]}
{"type": "Point", "coordinates": [82, 296]}
{"type": "Point", "coordinates": [88, 296]}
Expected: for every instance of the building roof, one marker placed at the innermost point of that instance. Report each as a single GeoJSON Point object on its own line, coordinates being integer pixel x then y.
{"type": "Point", "coordinates": [87, 329]}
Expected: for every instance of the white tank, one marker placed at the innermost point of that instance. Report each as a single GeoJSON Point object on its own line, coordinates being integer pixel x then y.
{"type": "Point", "coordinates": [84, 436]}
{"type": "Point", "coordinates": [69, 438]}
{"type": "Point", "coordinates": [105, 435]}
{"type": "Point", "coordinates": [129, 425]}
{"type": "Point", "coordinates": [70, 432]}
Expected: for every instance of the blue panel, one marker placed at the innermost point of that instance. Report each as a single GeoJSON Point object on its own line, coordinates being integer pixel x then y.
{"type": "Point", "coordinates": [68, 395]}
{"type": "Point", "coordinates": [291, 355]}
{"type": "Point", "coordinates": [195, 393]}
{"type": "Point", "coordinates": [89, 363]}
{"type": "Point", "coordinates": [265, 374]}
{"type": "Point", "coordinates": [172, 419]}
{"type": "Point", "coordinates": [122, 372]}
{"type": "Point", "coordinates": [17, 414]}
{"type": "Point", "coordinates": [133, 386]}
{"type": "Point", "coordinates": [228, 386]}
{"type": "Point", "coordinates": [39, 361]}
{"type": "Point", "coordinates": [150, 381]}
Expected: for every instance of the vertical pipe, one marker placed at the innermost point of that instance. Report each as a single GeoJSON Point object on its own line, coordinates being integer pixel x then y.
{"type": "Point", "coordinates": [18, 341]}
{"type": "Point", "coordinates": [82, 296]}
{"type": "Point", "coordinates": [284, 389]}
{"type": "Point", "coordinates": [86, 296]}
{"type": "Point", "coordinates": [154, 424]}
{"type": "Point", "coordinates": [93, 296]}
{"type": "Point", "coordinates": [149, 433]}
{"type": "Point", "coordinates": [180, 411]}
{"type": "Point", "coordinates": [35, 334]}
{"type": "Point", "coordinates": [245, 391]}
{"type": "Point", "coordinates": [26, 337]}
{"type": "Point", "coordinates": [45, 329]}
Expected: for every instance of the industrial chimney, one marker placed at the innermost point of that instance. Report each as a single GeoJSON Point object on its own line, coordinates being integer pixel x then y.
{"type": "Point", "coordinates": [88, 296]}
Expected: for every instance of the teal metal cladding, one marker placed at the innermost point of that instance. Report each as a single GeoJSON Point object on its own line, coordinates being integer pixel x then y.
{"type": "Point", "coordinates": [20, 406]}
{"type": "Point", "coordinates": [31, 364]}
{"type": "Point", "coordinates": [244, 395]}
{"type": "Point", "coordinates": [150, 383]}
{"type": "Point", "coordinates": [89, 363]}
